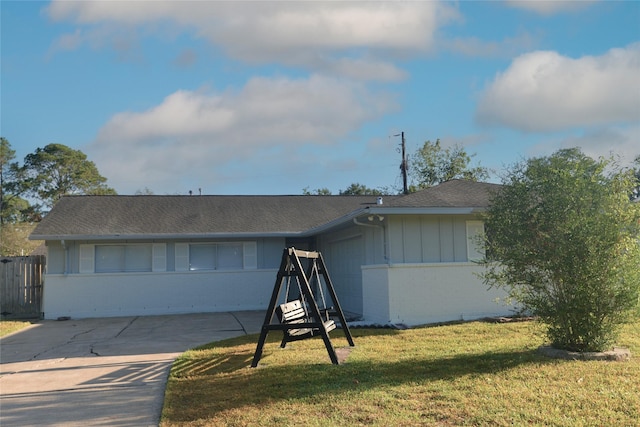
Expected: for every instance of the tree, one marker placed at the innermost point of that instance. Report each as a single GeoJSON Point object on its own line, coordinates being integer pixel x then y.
{"type": "Point", "coordinates": [15, 212]}
{"type": "Point", "coordinates": [357, 189]}
{"type": "Point", "coordinates": [636, 174]}
{"type": "Point", "coordinates": [13, 208]}
{"type": "Point", "coordinates": [146, 191]}
{"type": "Point", "coordinates": [7, 154]}
{"type": "Point", "coordinates": [57, 170]}
{"type": "Point", "coordinates": [14, 239]}
{"type": "Point", "coordinates": [16, 209]}
{"type": "Point", "coordinates": [318, 191]}
{"type": "Point", "coordinates": [432, 164]}
{"type": "Point", "coordinates": [563, 240]}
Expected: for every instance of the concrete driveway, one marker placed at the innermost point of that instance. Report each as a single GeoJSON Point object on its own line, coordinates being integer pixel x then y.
{"type": "Point", "coordinates": [102, 372]}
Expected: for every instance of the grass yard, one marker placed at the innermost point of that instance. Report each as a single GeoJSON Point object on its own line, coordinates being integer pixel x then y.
{"type": "Point", "coordinates": [467, 374]}
{"type": "Point", "coordinates": [9, 326]}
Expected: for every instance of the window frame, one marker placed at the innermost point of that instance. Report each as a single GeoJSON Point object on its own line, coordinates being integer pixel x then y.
{"type": "Point", "coordinates": [88, 258]}
{"type": "Point", "coordinates": [475, 228]}
{"type": "Point", "coordinates": [183, 253]}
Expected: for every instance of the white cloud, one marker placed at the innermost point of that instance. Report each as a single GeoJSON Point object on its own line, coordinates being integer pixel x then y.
{"type": "Point", "coordinates": [349, 37]}
{"type": "Point", "coordinates": [545, 91]}
{"type": "Point", "coordinates": [619, 141]}
{"type": "Point", "coordinates": [550, 7]}
{"type": "Point", "coordinates": [201, 133]}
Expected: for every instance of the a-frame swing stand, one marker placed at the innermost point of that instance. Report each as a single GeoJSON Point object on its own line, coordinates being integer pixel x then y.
{"type": "Point", "coordinates": [302, 318]}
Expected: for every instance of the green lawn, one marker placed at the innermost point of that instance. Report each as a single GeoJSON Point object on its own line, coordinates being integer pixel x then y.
{"type": "Point", "coordinates": [467, 374]}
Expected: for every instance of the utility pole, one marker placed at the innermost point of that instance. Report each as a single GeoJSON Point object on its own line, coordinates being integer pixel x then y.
{"type": "Point", "coordinates": [404, 166]}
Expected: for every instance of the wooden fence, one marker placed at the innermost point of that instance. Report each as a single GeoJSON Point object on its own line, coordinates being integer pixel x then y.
{"type": "Point", "coordinates": [21, 280]}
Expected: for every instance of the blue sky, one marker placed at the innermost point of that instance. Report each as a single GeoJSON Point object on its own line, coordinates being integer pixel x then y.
{"type": "Point", "coordinates": [272, 97]}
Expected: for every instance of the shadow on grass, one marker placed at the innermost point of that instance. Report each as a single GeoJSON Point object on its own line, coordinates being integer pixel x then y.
{"type": "Point", "coordinates": [276, 336]}
{"type": "Point", "coordinates": [225, 382]}
{"type": "Point", "coordinates": [218, 364]}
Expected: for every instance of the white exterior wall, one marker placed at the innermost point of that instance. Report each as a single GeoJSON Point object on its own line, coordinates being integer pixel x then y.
{"type": "Point", "coordinates": [127, 294]}
{"type": "Point", "coordinates": [416, 294]}
{"type": "Point", "coordinates": [375, 294]}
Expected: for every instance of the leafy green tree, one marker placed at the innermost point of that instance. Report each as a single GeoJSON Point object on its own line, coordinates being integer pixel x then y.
{"type": "Point", "coordinates": [318, 191]}
{"type": "Point", "coordinates": [16, 209]}
{"type": "Point", "coordinates": [636, 174]}
{"type": "Point", "coordinates": [16, 214]}
{"type": "Point", "coordinates": [357, 189]}
{"type": "Point", "coordinates": [146, 191]}
{"type": "Point", "coordinates": [14, 239]}
{"type": "Point", "coordinates": [563, 239]}
{"type": "Point", "coordinates": [13, 208]}
{"type": "Point", "coordinates": [431, 164]}
{"type": "Point", "coordinates": [7, 154]}
{"type": "Point", "coordinates": [57, 170]}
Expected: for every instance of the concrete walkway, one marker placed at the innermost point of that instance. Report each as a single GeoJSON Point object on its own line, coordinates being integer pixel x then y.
{"type": "Point", "coordinates": [102, 372]}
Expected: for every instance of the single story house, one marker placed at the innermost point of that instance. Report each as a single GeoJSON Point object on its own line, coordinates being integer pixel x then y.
{"type": "Point", "coordinates": [392, 259]}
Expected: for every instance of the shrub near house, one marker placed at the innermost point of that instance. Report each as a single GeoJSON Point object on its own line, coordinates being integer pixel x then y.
{"type": "Point", "coordinates": [565, 236]}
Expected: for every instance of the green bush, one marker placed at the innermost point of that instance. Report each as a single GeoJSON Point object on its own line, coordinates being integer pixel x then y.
{"type": "Point", "coordinates": [563, 238]}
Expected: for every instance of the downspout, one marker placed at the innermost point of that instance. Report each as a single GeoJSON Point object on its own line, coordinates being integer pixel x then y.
{"type": "Point", "coordinates": [384, 235]}
{"type": "Point", "coordinates": [65, 256]}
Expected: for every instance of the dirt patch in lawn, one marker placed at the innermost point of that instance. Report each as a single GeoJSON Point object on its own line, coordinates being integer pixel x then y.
{"type": "Point", "coordinates": [618, 354]}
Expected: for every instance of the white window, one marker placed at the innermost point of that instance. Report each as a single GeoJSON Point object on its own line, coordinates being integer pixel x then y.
{"type": "Point", "coordinates": [126, 257]}
{"type": "Point", "coordinates": [475, 247]}
{"type": "Point", "coordinates": [123, 258]}
{"type": "Point", "coordinates": [216, 256]}
{"type": "Point", "coordinates": [230, 256]}
{"type": "Point", "coordinates": [87, 258]}
{"type": "Point", "coordinates": [159, 262]}
{"type": "Point", "coordinates": [202, 257]}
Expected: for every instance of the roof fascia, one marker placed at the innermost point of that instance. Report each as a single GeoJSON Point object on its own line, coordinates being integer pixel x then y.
{"type": "Point", "coordinates": [174, 236]}
{"type": "Point", "coordinates": [425, 210]}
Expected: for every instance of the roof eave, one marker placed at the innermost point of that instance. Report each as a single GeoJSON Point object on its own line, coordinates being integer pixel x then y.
{"type": "Point", "coordinates": [427, 210]}
{"type": "Point", "coordinates": [173, 236]}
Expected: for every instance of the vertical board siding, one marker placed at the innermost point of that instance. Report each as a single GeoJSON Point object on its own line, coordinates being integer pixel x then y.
{"type": "Point", "coordinates": [446, 239]}
{"type": "Point", "coordinates": [21, 289]}
{"type": "Point", "coordinates": [459, 241]}
{"type": "Point", "coordinates": [429, 239]}
{"type": "Point", "coordinates": [412, 239]}
{"type": "Point", "coordinates": [430, 230]}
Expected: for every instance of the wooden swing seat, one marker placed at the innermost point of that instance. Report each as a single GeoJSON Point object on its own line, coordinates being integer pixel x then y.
{"type": "Point", "coordinates": [291, 313]}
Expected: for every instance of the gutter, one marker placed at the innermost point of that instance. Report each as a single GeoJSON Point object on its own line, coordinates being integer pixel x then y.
{"type": "Point", "coordinates": [380, 226]}
{"type": "Point", "coordinates": [425, 211]}
{"type": "Point", "coordinates": [65, 256]}
{"type": "Point", "coordinates": [172, 236]}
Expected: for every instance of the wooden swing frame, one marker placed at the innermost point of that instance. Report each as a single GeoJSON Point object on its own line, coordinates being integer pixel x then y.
{"type": "Point", "coordinates": [302, 324]}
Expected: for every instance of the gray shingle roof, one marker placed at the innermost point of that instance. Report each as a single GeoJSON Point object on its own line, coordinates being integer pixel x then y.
{"type": "Point", "coordinates": [456, 193]}
{"type": "Point", "coordinates": [155, 216]}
